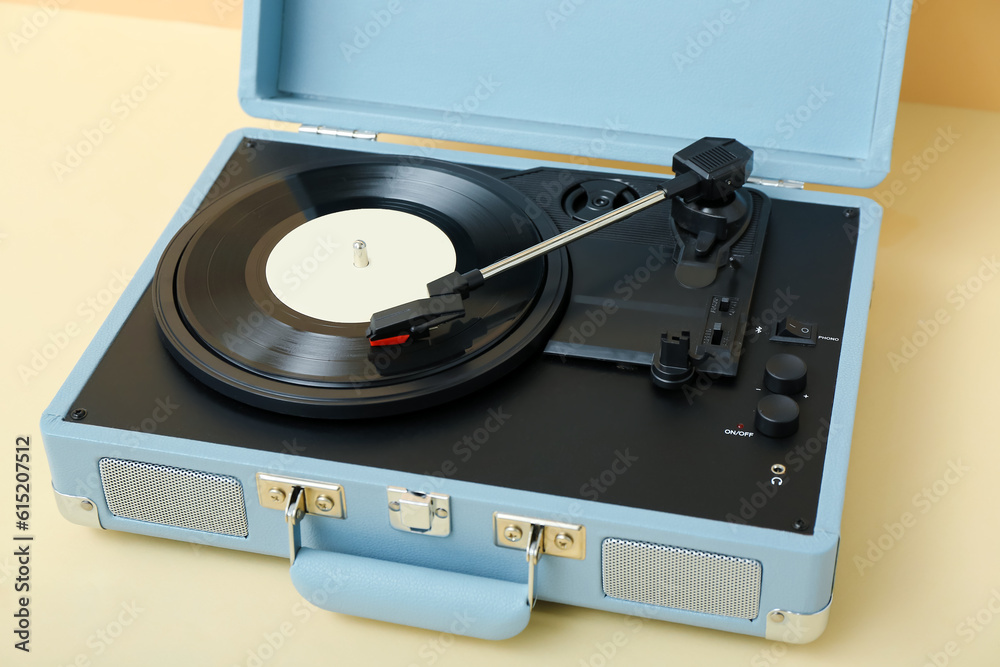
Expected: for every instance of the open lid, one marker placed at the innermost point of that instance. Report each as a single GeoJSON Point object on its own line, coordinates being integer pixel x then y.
{"type": "Point", "coordinates": [812, 87]}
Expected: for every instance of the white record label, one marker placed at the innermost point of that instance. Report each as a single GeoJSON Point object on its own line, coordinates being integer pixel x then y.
{"type": "Point", "coordinates": [312, 269]}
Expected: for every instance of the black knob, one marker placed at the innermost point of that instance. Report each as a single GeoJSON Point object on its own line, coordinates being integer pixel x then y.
{"type": "Point", "coordinates": [785, 374]}
{"type": "Point", "coordinates": [777, 416]}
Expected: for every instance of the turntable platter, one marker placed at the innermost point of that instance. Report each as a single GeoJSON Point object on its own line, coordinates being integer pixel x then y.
{"type": "Point", "coordinates": [228, 316]}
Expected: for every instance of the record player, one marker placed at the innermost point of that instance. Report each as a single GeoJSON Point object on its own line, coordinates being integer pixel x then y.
{"type": "Point", "coordinates": [446, 385]}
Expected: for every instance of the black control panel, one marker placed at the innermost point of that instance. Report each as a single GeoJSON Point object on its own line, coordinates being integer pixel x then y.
{"type": "Point", "coordinates": [742, 439]}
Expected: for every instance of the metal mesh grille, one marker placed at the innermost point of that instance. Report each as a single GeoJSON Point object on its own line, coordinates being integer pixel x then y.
{"type": "Point", "coordinates": [681, 578]}
{"type": "Point", "coordinates": [174, 496]}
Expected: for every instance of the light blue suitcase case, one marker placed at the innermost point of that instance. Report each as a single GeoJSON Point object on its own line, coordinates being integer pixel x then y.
{"type": "Point", "coordinates": [811, 87]}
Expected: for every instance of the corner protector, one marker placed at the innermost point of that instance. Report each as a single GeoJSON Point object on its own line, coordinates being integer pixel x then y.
{"type": "Point", "coordinates": [78, 509]}
{"type": "Point", "coordinates": [796, 628]}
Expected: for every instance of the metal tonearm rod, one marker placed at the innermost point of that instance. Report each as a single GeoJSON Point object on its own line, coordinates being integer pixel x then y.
{"type": "Point", "coordinates": [709, 169]}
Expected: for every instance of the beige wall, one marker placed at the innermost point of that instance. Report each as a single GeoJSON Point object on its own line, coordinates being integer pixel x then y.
{"type": "Point", "coordinates": [953, 57]}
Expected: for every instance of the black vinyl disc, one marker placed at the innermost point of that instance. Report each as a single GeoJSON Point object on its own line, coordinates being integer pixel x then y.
{"type": "Point", "coordinates": [220, 319]}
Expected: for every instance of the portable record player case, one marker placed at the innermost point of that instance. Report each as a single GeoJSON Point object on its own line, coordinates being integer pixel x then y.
{"type": "Point", "coordinates": [817, 102]}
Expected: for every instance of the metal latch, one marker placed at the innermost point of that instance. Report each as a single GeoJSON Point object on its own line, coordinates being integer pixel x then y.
{"type": "Point", "coordinates": [538, 537]}
{"type": "Point", "coordinates": [337, 132]}
{"type": "Point", "coordinates": [423, 513]}
{"type": "Point", "coordinates": [298, 497]}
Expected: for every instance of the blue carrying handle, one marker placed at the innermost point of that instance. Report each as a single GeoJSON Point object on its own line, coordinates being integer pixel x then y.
{"type": "Point", "coordinates": [460, 604]}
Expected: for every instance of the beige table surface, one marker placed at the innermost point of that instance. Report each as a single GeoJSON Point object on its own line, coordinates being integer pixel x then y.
{"type": "Point", "coordinates": [66, 237]}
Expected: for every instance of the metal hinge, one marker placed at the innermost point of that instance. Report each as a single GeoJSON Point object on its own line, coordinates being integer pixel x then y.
{"type": "Point", "coordinates": [777, 182]}
{"type": "Point", "coordinates": [538, 537]}
{"type": "Point", "coordinates": [337, 132]}
{"type": "Point", "coordinates": [298, 497]}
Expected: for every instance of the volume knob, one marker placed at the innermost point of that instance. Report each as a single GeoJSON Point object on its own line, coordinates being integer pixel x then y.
{"type": "Point", "coordinates": [785, 374]}
{"type": "Point", "coordinates": [777, 416]}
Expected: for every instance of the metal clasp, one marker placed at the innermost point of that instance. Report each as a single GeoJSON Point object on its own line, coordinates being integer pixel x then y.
{"type": "Point", "coordinates": [538, 537]}
{"type": "Point", "coordinates": [298, 497]}
{"type": "Point", "coordinates": [416, 512]}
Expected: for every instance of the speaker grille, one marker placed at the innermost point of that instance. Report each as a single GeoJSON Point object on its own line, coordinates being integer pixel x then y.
{"type": "Point", "coordinates": [681, 578]}
{"type": "Point", "coordinates": [174, 496]}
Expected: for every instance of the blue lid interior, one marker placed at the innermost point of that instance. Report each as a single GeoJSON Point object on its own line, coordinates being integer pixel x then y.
{"type": "Point", "coordinates": [812, 87]}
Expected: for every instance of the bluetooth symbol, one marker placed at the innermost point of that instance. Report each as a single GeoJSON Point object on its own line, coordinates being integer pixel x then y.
{"type": "Point", "coordinates": [23, 525]}
{"type": "Point", "coordinates": [759, 329]}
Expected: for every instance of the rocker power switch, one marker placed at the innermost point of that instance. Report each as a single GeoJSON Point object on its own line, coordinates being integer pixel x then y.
{"type": "Point", "coordinates": [791, 330]}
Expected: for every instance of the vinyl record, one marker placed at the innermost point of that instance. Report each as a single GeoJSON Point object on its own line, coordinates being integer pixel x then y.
{"type": "Point", "coordinates": [264, 335]}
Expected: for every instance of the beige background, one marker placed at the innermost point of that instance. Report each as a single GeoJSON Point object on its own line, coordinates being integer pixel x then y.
{"type": "Point", "coordinates": [62, 241]}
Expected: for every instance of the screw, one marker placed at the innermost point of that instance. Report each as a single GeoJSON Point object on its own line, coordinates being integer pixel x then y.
{"type": "Point", "coordinates": [78, 415]}
{"type": "Point", "coordinates": [276, 495]}
{"type": "Point", "coordinates": [563, 541]}
{"type": "Point", "coordinates": [850, 212]}
{"type": "Point", "coordinates": [777, 617]}
{"type": "Point", "coordinates": [86, 505]}
{"type": "Point", "coordinates": [324, 504]}
{"type": "Point", "coordinates": [800, 524]}
{"type": "Point", "coordinates": [512, 533]}
{"type": "Point", "coordinates": [394, 505]}
{"type": "Point", "coordinates": [441, 513]}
